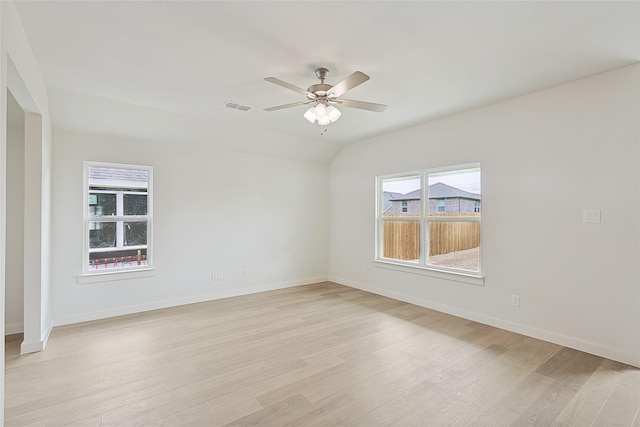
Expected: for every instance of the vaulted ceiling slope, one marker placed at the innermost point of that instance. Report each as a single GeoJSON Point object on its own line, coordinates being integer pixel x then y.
{"type": "Point", "coordinates": [163, 69]}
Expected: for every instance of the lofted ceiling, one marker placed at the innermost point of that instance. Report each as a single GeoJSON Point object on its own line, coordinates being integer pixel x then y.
{"type": "Point", "coordinates": [162, 70]}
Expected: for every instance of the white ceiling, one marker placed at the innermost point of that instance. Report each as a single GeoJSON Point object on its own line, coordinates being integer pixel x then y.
{"type": "Point", "coordinates": [162, 70]}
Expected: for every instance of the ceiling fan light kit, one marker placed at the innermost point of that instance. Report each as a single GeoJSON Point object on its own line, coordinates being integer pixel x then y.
{"type": "Point", "coordinates": [324, 115]}
{"type": "Point", "coordinates": [323, 97]}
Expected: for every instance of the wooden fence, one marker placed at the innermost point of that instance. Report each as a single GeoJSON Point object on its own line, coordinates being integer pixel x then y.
{"type": "Point", "coordinates": [445, 237]}
{"type": "Point", "coordinates": [401, 239]}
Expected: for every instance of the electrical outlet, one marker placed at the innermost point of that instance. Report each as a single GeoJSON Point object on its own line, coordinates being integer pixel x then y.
{"type": "Point", "coordinates": [591, 215]}
{"type": "Point", "coordinates": [245, 272]}
{"type": "Point", "coordinates": [216, 276]}
{"type": "Point", "coordinates": [515, 300]}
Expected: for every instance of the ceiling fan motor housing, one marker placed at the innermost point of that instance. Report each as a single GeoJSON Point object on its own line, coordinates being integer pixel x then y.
{"type": "Point", "coordinates": [320, 90]}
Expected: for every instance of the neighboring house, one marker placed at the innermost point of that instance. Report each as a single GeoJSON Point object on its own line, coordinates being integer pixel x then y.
{"type": "Point", "coordinates": [388, 195]}
{"type": "Point", "coordinates": [443, 198]}
{"type": "Point", "coordinates": [408, 203]}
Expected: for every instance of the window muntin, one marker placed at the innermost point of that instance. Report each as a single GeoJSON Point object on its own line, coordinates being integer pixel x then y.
{"type": "Point", "coordinates": [444, 231]}
{"type": "Point", "coordinates": [118, 218]}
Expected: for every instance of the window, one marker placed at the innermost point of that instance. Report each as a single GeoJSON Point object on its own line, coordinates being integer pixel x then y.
{"type": "Point", "coordinates": [117, 218]}
{"type": "Point", "coordinates": [431, 219]}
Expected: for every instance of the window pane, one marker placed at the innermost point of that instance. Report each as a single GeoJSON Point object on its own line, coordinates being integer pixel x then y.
{"type": "Point", "coordinates": [401, 196]}
{"type": "Point", "coordinates": [135, 204]}
{"type": "Point", "coordinates": [401, 240]}
{"type": "Point", "coordinates": [454, 245]}
{"type": "Point", "coordinates": [455, 193]}
{"type": "Point", "coordinates": [101, 204]}
{"type": "Point", "coordinates": [135, 233]}
{"type": "Point", "coordinates": [102, 235]}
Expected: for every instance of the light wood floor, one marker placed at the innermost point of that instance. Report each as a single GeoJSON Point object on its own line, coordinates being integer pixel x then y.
{"type": "Point", "coordinates": [320, 355]}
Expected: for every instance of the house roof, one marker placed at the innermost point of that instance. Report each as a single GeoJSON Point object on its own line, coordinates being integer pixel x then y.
{"type": "Point", "coordinates": [438, 190]}
{"type": "Point", "coordinates": [414, 195]}
{"type": "Point", "coordinates": [387, 196]}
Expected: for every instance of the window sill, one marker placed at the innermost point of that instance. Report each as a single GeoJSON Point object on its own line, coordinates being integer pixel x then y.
{"type": "Point", "coordinates": [116, 275]}
{"type": "Point", "coordinates": [431, 272]}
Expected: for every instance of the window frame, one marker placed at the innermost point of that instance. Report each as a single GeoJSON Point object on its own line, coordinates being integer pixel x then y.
{"type": "Point", "coordinates": [87, 275]}
{"type": "Point", "coordinates": [422, 266]}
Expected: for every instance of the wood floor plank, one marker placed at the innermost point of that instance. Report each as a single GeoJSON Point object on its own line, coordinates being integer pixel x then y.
{"type": "Point", "coordinates": [585, 406]}
{"type": "Point", "coordinates": [277, 414]}
{"type": "Point", "coordinates": [619, 408]}
{"type": "Point", "coordinates": [571, 369]}
{"type": "Point", "coordinates": [231, 407]}
{"type": "Point", "coordinates": [316, 355]}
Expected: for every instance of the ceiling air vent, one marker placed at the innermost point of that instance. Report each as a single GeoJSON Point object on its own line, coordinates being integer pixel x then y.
{"type": "Point", "coordinates": [236, 106]}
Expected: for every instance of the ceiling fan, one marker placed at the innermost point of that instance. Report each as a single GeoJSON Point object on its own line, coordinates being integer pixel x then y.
{"type": "Point", "coordinates": [324, 97]}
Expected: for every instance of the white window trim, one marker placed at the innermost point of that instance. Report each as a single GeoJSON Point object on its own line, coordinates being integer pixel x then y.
{"type": "Point", "coordinates": [421, 267]}
{"type": "Point", "coordinates": [122, 274]}
{"type": "Point", "coordinates": [147, 270]}
{"type": "Point", "coordinates": [438, 273]}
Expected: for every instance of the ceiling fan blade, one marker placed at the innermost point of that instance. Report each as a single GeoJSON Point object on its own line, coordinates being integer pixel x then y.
{"type": "Point", "coordinates": [350, 82]}
{"type": "Point", "coordinates": [290, 86]}
{"type": "Point", "coordinates": [361, 105]}
{"type": "Point", "coordinates": [293, 104]}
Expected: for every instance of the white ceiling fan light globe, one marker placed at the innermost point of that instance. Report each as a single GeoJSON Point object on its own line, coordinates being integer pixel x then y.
{"type": "Point", "coordinates": [310, 115]}
{"type": "Point", "coordinates": [324, 120]}
{"type": "Point", "coordinates": [333, 113]}
{"type": "Point", "coordinates": [320, 110]}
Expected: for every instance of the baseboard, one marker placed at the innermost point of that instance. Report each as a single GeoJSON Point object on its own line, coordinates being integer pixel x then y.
{"type": "Point", "coordinates": [122, 311]}
{"type": "Point", "coordinates": [35, 346]}
{"type": "Point", "coordinates": [563, 340]}
{"type": "Point", "coordinates": [31, 347]}
{"type": "Point", "coordinates": [47, 333]}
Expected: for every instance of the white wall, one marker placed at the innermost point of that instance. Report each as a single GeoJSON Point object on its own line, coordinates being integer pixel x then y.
{"type": "Point", "coordinates": [21, 75]}
{"type": "Point", "coordinates": [545, 157]}
{"type": "Point", "coordinates": [213, 212]}
{"type": "Point", "coordinates": [19, 72]}
{"type": "Point", "coordinates": [14, 262]}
